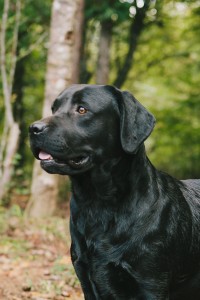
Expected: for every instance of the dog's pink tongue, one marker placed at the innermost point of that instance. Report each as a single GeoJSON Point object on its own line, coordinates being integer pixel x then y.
{"type": "Point", "coordinates": [44, 156]}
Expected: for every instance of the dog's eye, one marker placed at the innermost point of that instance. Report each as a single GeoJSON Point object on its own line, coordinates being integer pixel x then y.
{"type": "Point", "coordinates": [82, 110]}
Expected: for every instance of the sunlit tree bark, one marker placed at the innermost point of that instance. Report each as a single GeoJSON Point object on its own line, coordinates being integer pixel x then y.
{"type": "Point", "coordinates": [103, 63]}
{"type": "Point", "coordinates": [62, 70]}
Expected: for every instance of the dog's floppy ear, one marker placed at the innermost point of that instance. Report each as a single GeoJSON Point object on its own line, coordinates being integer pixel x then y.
{"type": "Point", "coordinates": [136, 123]}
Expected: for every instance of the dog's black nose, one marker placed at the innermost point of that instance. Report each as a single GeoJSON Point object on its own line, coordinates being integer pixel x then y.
{"type": "Point", "coordinates": [37, 127]}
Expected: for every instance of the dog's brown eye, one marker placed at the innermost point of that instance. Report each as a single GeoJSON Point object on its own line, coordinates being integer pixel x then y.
{"type": "Point", "coordinates": [82, 110]}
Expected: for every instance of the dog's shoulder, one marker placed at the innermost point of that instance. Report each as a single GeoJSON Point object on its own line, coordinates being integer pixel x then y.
{"type": "Point", "coordinates": [191, 191]}
{"type": "Point", "coordinates": [191, 187]}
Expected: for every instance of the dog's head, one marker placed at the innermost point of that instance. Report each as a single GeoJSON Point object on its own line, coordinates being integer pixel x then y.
{"type": "Point", "coordinates": [90, 124]}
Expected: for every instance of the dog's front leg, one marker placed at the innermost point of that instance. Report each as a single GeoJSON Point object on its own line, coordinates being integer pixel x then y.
{"type": "Point", "coordinates": [154, 287]}
{"type": "Point", "coordinates": [89, 289]}
{"type": "Point", "coordinates": [155, 295]}
{"type": "Point", "coordinates": [80, 263]}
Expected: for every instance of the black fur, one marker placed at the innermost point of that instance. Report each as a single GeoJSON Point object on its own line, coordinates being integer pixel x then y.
{"type": "Point", "coordinates": [135, 231]}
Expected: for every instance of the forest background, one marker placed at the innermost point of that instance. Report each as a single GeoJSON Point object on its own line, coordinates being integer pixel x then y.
{"type": "Point", "coordinates": [149, 47]}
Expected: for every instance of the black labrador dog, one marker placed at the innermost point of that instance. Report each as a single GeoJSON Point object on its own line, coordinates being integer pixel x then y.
{"type": "Point", "coordinates": [135, 230]}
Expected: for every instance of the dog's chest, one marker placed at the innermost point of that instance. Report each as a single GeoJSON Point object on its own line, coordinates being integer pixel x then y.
{"type": "Point", "coordinates": [106, 252]}
{"type": "Point", "coordinates": [105, 236]}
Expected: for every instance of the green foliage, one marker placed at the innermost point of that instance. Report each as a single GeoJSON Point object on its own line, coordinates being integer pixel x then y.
{"type": "Point", "coordinates": [176, 141]}
{"type": "Point", "coordinates": [164, 75]}
{"type": "Point", "coordinates": [165, 78]}
{"type": "Point", "coordinates": [104, 10]}
{"type": "Point", "coordinates": [29, 76]}
{"type": "Point", "coordinates": [15, 211]}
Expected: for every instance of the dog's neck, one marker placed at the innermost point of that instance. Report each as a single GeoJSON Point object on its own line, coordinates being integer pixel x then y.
{"type": "Point", "coordinates": [115, 179]}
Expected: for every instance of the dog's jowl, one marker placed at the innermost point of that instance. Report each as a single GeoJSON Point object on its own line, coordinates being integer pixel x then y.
{"type": "Point", "coordinates": [135, 231]}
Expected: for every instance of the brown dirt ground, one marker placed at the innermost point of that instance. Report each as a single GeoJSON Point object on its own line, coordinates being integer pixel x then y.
{"type": "Point", "coordinates": [34, 261]}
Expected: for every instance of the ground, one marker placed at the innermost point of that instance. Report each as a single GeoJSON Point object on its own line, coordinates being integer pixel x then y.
{"type": "Point", "coordinates": [34, 258]}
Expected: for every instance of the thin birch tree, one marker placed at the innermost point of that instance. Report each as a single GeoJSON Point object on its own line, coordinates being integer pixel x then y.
{"type": "Point", "coordinates": [11, 132]}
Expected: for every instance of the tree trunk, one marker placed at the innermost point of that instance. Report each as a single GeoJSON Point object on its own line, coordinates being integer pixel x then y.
{"type": "Point", "coordinates": [10, 138]}
{"type": "Point", "coordinates": [62, 70]}
{"type": "Point", "coordinates": [103, 63]}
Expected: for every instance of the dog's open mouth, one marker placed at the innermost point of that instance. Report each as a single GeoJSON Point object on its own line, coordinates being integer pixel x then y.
{"type": "Point", "coordinates": [76, 162]}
